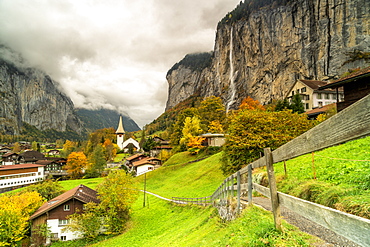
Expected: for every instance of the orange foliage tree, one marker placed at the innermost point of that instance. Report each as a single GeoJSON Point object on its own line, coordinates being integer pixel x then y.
{"type": "Point", "coordinates": [76, 164]}
{"type": "Point", "coordinates": [251, 129]}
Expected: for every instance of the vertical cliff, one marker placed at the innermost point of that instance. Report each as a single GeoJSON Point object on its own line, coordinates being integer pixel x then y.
{"type": "Point", "coordinates": [29, 95]}
{"type": "Point", "coordinates": [263, 53]}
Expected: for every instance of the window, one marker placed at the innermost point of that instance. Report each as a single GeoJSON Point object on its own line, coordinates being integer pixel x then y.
{"type": "Point", "coordinates": [307, 106]}
{"type": "Point", "coordinates": [63, 222]}
{"type": "Point", "coordinates": [319, 96]}
{"type": "Point", "coordinates": [67, 207]}
{"type": "Point", "coordinates": [307, 97]}
{"type": "Point", "coordinates": [303, 90]}
{"type": "Point", "coordinates": [327, 96]}
{"type": "Point", "coordinates": [63, 238]}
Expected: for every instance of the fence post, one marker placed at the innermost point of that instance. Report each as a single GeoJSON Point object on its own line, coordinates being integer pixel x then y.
{"type": "Point", "coordinates": [238, 192]}
{"type": "Point", "coordinates": [273, 190]}
{"type": "Point", "coordinates": [250, 184]}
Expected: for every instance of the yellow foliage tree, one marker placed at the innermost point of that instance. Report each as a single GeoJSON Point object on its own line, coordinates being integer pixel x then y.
{"type": "Point", "coordinates": [15, 211]}
{"type": "Point", "coordinates": [215, 127]}
{"type": "Point", "coordinates": [251, 104]}
{"type": "Point", "coordinates": [195, 144]}
{"type": "Point", "coordinates": [76, 163]}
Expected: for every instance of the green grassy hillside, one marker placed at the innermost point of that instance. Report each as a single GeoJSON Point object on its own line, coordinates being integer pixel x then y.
{"type": "Point", "coordinates": [162, 223]}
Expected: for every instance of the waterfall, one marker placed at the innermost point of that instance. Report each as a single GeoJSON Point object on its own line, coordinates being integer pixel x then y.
{"type": "Point", "coordinates": [231, 99]}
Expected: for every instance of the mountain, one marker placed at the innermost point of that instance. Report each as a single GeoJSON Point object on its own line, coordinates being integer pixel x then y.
{"type": "Point", "coordinates": [29, 95]}
{"type": "Point", "coordinates": [104, 118]}
{"type": "Point", "coordinates": [31, 99]}
{"type": "Point", "coordinates": [263, 47]}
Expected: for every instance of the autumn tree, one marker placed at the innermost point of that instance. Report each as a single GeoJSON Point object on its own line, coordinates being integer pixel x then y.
{"type": "Point", "coordinates": [176, 129]}
{"type": "Point", "coordinates": [15, 211]}
{"type": "Point", "coordinates": [191, 129]}
{"type": "Point", "coordinates": [76, 163]}
{"type": "Point", "coordinates": [250, 131]}
{"type": "Point", "coordinates": [110, 150]}
{"type": "Point", "coordinates": [117, 193]}
{"type": "Point", "coordinates": [211, 110]}
{"type": "Point", "coordinates": [195, 144]}
{"type": "Point", "coordinates": [16, 147]}
{"type": "Point", "coordinates": [68, 148]}
{"type": "Point", "coordinates": [48, 189]}
{"type": "Point", "coordinates": [215, 127]}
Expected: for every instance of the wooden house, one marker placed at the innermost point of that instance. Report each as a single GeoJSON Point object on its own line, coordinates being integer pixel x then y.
{"type": "Point", "coordinates": [162, 145]}
{"type": "Point", "coordinates": [30, 157]}
{"type": "Point", "coordinates": [355, 87]}
{"type": "Point", "coordinates": [54, 212]}
{"type": "Point", "coordinates": [213, 140]}
{"type": "Point", "coordinates": [9, 158]}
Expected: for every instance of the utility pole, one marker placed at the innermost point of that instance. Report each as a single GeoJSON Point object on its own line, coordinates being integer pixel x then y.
{"type": "Point", "coordinates": [144, 188]}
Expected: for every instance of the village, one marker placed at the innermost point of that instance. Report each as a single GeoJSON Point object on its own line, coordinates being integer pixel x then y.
{"type": "Point", "coordinates": [20, 169]}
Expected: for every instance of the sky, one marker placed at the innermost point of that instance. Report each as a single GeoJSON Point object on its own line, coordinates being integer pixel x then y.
{"type": "Point", "coordinates": [111, 54]}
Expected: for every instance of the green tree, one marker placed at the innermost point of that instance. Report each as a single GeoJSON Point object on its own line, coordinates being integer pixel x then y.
{"type": "Point", "coordinates": [89, 222]}
{"type": "Point", "coordinates": [117, 193]}
{"type": "Point", "coordinates": [149, 144]}
{"type": "Point", "coordinates": [297, 105]}
{"type": "Point", "coordinates": [48, 189]}
{"type": "Point", "coordinates": [96, 162]}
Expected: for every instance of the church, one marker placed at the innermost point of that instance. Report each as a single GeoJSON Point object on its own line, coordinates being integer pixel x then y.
{"type": "Point", "coordinates": [121, 142]}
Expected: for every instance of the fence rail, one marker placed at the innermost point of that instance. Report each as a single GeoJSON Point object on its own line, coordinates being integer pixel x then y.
{"type": "Point", "coordinates": [351, 123]}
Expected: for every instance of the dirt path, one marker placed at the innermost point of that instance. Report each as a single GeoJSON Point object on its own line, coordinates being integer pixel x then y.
{"type": "Point", "coordinates": [305, 225]}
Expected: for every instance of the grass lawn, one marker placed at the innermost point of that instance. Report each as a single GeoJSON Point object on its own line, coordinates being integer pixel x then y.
{"type": "Point", "coordinates": [90, 182]}
{"type": "Point", "coordinates": [164, 224]}
{"type": "Point", "coordinates": [342, 177]}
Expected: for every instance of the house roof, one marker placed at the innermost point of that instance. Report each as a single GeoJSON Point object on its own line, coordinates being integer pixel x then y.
{"type": "Point", "coordinates": [145, 161]}
{"type": "Point", "coordinates": [44, 162]}
{"type": "Point", "coordinates": [19, 166]}
{"type": "Point", "coordinates": [32, 155]}
{"type": "Point", "coordinates": [9, 154]}
{"type": "Point", "coordinates": [135, 156]}
{"type": "Point", "coordinates": [81, 193]}
{"type": "Point", "coordinates": [212, 135]}
{"type": "Point", "coordinates": [320, 110]}
{"type": "Point", "coordinates": [314, 84]}
{"type": "Point", "coordinates": [351, 77]}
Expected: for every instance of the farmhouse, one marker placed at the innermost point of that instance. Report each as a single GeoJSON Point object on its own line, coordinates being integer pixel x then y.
{"type": "Point", "coordinates": [313, 95]}
{"type": "Point", "coordinates": [141, 163]}
{"type": "Point", "coordinates": [30, 157]}
{"type": "Point", "coordinates": [54, 212]}
{"type": "Point", "coordinates": [213, 140]}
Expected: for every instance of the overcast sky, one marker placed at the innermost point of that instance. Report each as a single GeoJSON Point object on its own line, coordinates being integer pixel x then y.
{"type": "Point", "coordinates": [111, 53]}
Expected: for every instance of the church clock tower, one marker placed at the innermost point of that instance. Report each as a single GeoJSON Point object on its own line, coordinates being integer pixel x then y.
{"type": "Point", "coordinates": [120, 132]}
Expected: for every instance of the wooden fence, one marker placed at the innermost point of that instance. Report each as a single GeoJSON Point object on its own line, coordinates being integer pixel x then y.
{"type": "Point", "coordinates": [351, 123]}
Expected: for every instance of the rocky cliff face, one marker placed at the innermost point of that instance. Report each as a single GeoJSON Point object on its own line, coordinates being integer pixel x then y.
{"type": "Point", "coordinates": [29, 95]}
{"type": "Point", "coordinates": [263, 54]}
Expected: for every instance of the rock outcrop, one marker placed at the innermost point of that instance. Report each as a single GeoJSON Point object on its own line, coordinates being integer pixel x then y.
{"type": "Point", "coordinates": [31, 96]}
{"type": "Point", "coordinates": [263, 54]}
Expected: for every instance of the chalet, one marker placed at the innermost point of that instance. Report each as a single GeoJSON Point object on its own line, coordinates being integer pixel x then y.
{"type": "Point", "coordinates": [141, 163]}
{"type": "Point", "coordinates": [54, 166]}
{"type": "Point", "coordinates": [54, 212]}
{"type": "Point", "coordinates": [314, 113]}
{"type": "Point", "coordinates": [30, 157]}
{"type": "Point", "coordinates": [53, 152]}
{"type": "Point", "coordinates": [213, 140]}
{"type": "Point", "coordinates": [9, 159]}
{"type": "Point", "coordinates": [313, 95]}
{"type": "Point", "coordinates": [17, 176]}
{"type": "Point", "coordinates": [355, 86]}
{"type": "Point", "coordinates": [162, 145]}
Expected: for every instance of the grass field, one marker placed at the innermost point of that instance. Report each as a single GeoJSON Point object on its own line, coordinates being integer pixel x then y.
{"type": "Point", "coordinates": [342, 177]}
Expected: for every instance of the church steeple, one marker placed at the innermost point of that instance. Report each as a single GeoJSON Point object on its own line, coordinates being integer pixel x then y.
{"type": "Point", "coordinates": [120, 130]}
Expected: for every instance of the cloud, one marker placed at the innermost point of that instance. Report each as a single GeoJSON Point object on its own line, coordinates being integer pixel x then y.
{"type": "Point", "coordinates": [111, 53]}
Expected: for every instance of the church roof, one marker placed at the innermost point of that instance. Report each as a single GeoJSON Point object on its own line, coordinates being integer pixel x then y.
{"type": "Point", "coordinates": [120, 129]}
